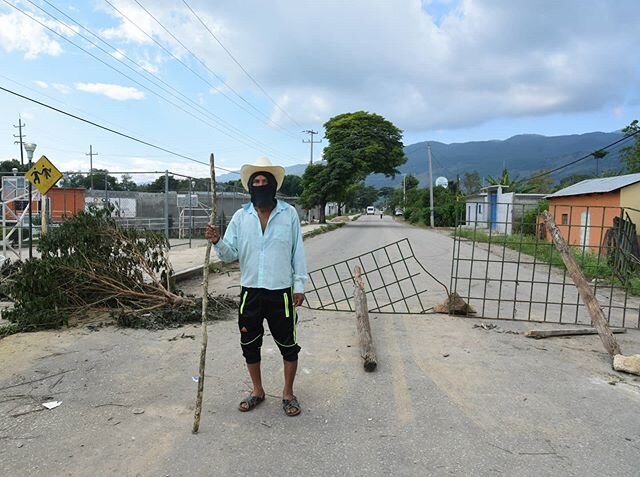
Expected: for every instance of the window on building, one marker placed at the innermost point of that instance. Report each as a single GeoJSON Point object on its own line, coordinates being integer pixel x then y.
{"type": "Point", "coordinates": [565, 219]}
{"type": "Point", "coordinates": [479, 208]}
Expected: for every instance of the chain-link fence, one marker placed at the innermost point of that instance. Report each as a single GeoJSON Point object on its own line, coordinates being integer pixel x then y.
{"type": "Point", "coordinates": [175, 204]}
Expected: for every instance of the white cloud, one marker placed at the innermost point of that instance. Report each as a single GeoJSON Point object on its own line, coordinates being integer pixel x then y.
{"type": "Point", "coordinates": [479, 60]}
{"type": "Point", "coordinates": [113, 91]}
{"type": "Point", "coordinates": [19, 33]}
{"type": "Point", "coordinates": [41, 84]}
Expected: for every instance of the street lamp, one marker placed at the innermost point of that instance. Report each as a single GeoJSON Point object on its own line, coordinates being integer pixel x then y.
{"type": "Point", "coordinates": [30, 147]}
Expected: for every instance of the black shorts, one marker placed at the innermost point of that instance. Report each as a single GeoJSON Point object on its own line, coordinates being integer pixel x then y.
{"type": "Point", "coordinates": [276, 306]}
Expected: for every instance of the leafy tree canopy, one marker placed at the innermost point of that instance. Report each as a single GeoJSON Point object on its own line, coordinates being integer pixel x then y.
{"type": "Point", "coordinates": [471, 182]}
{"type": "Point", "coordinates": [631, 154]}
{"type": "Point", "coordinates": [512, 184]}
{"type": "Point", "coordinates": [291, 186]}
{"type": "Point", "coordinates": [360, 144]}
{"type": "Point", "coordinates": [315, 187]}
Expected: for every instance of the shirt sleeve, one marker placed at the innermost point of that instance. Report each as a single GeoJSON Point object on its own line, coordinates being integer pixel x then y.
{"type": "Point", "coordinates": [298, 260]}
{"type": "Point", "coordinates": [227, 247]}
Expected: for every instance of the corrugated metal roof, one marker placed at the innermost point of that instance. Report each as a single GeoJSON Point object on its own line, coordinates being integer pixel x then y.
{"type": "Point", "coordinates": [597, 186]}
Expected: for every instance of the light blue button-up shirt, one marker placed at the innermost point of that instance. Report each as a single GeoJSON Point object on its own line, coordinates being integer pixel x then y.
{"type": "Point", "coordinates": [273, 260]}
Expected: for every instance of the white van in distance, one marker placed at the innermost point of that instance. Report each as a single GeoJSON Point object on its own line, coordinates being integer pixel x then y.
{"type": "Point", "coordinates": [371, 210]}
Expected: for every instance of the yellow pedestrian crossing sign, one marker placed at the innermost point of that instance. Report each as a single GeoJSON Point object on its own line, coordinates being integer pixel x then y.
{"type": "Point", "coordinates": [43, 175]}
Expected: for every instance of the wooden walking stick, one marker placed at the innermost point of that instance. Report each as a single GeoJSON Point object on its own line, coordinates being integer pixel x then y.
{"type": "Point", "coordinates": [205, 302]}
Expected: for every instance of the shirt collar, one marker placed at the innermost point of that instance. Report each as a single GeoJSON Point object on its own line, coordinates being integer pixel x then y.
{"type": "Point", "coordinates": [280, 205]}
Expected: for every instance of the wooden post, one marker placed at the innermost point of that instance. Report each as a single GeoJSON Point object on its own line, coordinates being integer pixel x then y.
{"type": "Point", "coordinates": [205, 302]}
{"type": "Point", "coordinates": [597, 316]}
{"type": "Point", "coordinates": [367, 351]}
{"type": "Point", "coordinates": [43, 215]}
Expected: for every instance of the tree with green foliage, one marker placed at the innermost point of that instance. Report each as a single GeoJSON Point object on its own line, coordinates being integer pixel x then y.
{"type": "Point", "coordinates": [8, 166]}
{"type": "Point", "coordinates": [363, 143]}
{"type": "Point", "coordinates": [90, 263]}
{"type": "Point", "coordinates": [291, 186]}
{"type": "Point", "coordinates": [158, 185]}
{"type": "Point", "coordinates": [231, 186]}
{"type": "Point", "coordinates": [315, 188]}
{"type": "Point", "coordinates": [573, 179]}
{"type": "Point", "coordinates": [410, 182]}
{"type": "Point", "coordinates": [631, 154]}
{"type": "Point", "coordinates": [541, 182]}
{"type": "Point", "coordinates": [360, 144]}
{"type": "Point", "coordinates": [76, 179]}
{"type": "Point", "coordinates": [361, 196]}
{"type": "Point", "coordinates": [512, 184]}
{"type": "Point", "coordinates": [471, 182]}
{"type": "Point", "coordinates": [127, 183]}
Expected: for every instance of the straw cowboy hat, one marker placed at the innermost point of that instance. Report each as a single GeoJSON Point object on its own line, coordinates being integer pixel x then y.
{"type": "Point", "coordinates": [262, 164]}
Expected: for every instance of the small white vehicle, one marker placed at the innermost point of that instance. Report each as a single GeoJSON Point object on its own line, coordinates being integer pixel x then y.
{"type": "Point", "coordinates": [371, 210]}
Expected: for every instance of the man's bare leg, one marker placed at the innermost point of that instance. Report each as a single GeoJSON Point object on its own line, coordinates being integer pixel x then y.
{"type": "Point", "coordinates": [290, 368]}
{"type": "Point", "coordinates": [256, 379]}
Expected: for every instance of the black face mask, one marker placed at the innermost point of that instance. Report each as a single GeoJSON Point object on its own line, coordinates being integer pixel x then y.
{"type": "Point", "coordinates": [263, 196]}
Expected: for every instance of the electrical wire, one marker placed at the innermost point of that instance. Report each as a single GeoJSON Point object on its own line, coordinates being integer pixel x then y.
{"type": "Point", "coordinates": [258, 145]}
{"type": "Point", "coordinates": [197, 59]}
{"type": "Point", "coordinates": [113, 131]}
{"type": "Point", "coordinates": [239, 64]}
{"type": "Point", "coordinates": [582, 158]}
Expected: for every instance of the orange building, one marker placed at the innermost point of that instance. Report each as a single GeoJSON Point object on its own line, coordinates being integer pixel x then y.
{"type": "Point", "coordinates": [585, 211]}
{"type": "Point", "coordinates": [60, 200]}
{"type": "Point", "coordinates": [65, 201]}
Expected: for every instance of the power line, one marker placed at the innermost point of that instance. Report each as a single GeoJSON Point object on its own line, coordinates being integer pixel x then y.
{"type": "Point", "coordinates": [260, 146]}
{"type": "Point", "coordinates": [194, 56]}
{"type": "Point", "coordinates": [594, 153]}
{"type": "Point", "coordinates": [127, 136]}
{"type": "Point", "coordinates": [238, 63]}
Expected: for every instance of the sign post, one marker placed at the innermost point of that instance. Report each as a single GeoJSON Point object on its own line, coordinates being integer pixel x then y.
{"type": "Point", "coordinates": [43, 175]}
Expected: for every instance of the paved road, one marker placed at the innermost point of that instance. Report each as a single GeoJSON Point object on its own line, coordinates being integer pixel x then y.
{"type": "Point", "coordinates": [447, 398]}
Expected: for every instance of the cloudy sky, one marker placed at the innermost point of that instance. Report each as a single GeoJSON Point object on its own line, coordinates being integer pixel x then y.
{"type": "Point", "coordinates": [244, 78]}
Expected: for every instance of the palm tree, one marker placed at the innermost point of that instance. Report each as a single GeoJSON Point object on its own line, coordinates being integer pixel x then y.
{"type": "Point", "coordinates": [512, 184]}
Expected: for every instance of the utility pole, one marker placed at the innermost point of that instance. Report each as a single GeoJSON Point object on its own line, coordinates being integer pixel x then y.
{"type": "Point", "coordinates": [430, 185]}
{"type": "Point", "coordinates": [311, 133]}
{"type": "Point", "coordinates": [91, 154]}
{"type": "Point", "coordinates": [21, 137]}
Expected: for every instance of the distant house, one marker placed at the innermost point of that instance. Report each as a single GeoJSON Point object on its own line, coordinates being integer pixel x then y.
{"type": "Point", "coordinates": [494, 209]}
{"type": "Point", "coordinates": [585, 211]}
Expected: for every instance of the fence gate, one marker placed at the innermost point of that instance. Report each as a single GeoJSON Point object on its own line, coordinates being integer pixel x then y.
{"type": "Point", "coordinates": [512, 271]}
{"type": "Point", "coordinates": [395, 282]}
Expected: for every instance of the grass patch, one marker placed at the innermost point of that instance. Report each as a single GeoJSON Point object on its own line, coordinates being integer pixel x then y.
{"type": "Point", "coordinates": [592, 265]}
{"type": "Point", "coordinates": [11, 329]}
{"type": "Point", "coordinates": [321, 230]}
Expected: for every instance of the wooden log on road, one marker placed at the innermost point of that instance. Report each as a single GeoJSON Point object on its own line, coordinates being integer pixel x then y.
{"type": "Point", "coordinates": [539, 334]}
{"type": "Point", "coordinates": [367, 350]}
{"type": "Point", "coordinates": [597, 316]}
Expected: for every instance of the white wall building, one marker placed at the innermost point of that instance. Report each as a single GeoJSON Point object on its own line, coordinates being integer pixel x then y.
{"type": "Point", "coordinates": [496, 210]}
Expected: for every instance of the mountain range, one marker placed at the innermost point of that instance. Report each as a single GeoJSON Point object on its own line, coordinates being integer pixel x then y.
{"type": "Point", "coordinates": [523, 155]}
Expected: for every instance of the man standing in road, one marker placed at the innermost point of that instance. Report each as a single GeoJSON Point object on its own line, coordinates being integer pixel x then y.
{"type": "Point", "coordinates": [264, 236]}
